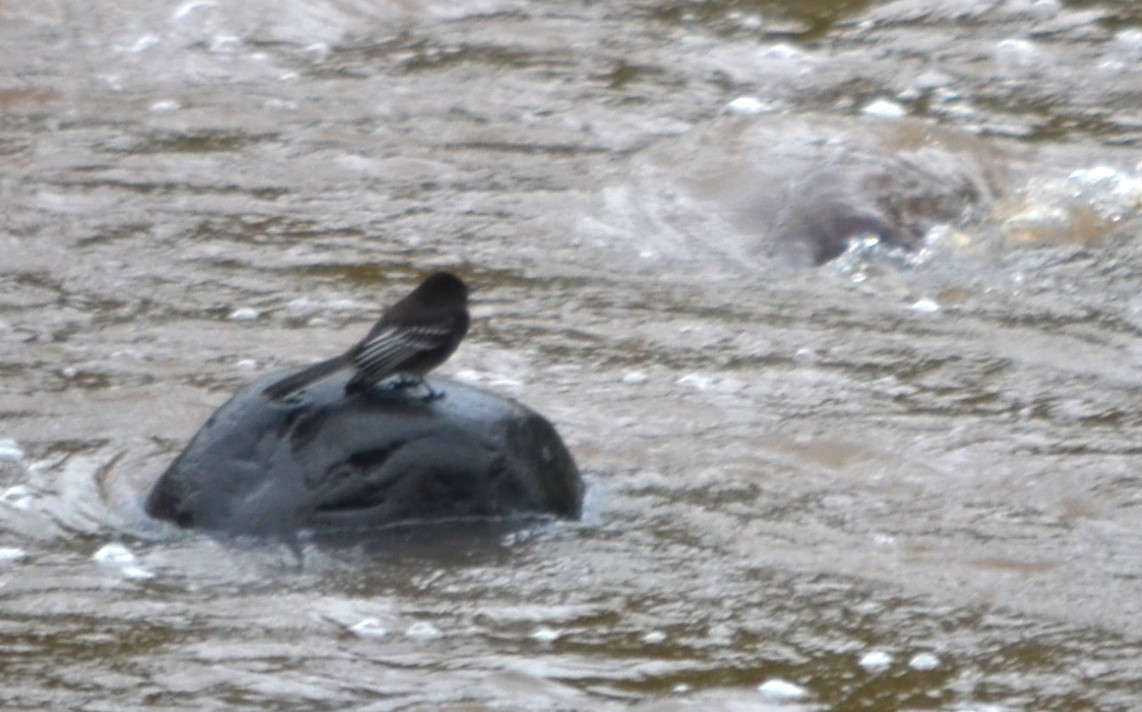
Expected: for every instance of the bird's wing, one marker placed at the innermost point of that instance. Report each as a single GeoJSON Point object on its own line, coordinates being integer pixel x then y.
{"type": "Point", "coordinates": [386, 350]}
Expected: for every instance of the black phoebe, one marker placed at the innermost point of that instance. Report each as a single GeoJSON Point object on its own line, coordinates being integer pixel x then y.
{"type": "Point", "coordinates": [414, 336]}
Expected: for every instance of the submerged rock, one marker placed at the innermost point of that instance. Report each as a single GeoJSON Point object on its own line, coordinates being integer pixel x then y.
{"type": "Point", "coordinates": [896, 199]}
{"type": "Point", "coordinates": [322, 462]}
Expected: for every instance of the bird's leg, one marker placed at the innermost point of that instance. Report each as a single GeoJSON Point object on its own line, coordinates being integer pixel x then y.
{"type": "Point", "coordinates": [401, 382]}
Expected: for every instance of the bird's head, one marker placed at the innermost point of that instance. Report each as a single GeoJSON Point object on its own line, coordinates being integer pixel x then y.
{"type": "Point", "coordinates": [441, 288]}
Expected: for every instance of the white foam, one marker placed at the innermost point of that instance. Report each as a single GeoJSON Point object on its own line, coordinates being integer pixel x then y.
{"type": "Point", "coordinates": [546, 635]}
{"type": "Point", "coordinates": [634, 378]}
{"type": "Point", "coordinates": [783, 51]}
{"type": "Point", "coordinates": [779, 689]}
{"type": "Point", "coordinates": [750, 106]}
{"type": "Point", "coordinates": [137, 573]}
{"type": "Point", "coordinates": [884, 109]}
{"type": "Point", "coordinates": [1094, 175]}
{"type": "Point", "coordinates": [119, 556]}
{"type": "Point", "coordinates": [188, 7]}
{"type": "Point", "coordinates": [17, 497]}
{"type": "Point", "coordinates": [368, 628]}
{"type": "Point", "coordinates": [423, 630]}
{"type": "Point", "coordinates": [222, 44]}
{"type": "Point", "coordinates": [875, 661]}
{"type": "Point", "coordinates": [10, 450]}
{"type": "Point", "coordinates": [1016, 52]}
{"type": "Point", "coordinates": [925, 306]}
{"type": "Point", "coordinates": [114, 553]}
{"type": "Point", "coordinates": [143, 43]}
{"type": "Point", "coordinates": [318, 51]}
{"type": "Point", "coordinates": [924, 661]}
{"type": "Point", "coordinates": [697, 381]}
{"type": "Point", "coordinates": [244, 314]}
{"type": "Point", "coordinates": [10, 554]}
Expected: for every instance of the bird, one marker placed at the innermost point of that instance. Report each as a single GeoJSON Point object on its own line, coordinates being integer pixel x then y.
{"type": "Point", "coordinates": [412, 337]}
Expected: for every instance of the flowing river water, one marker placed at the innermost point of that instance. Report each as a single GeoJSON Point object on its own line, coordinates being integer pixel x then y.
{"type": "Point", "coordinates": [901, 479]}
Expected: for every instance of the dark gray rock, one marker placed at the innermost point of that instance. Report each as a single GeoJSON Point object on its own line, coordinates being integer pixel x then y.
{"type": "Point", "coordinates": [321, 462]}
{"type": "Point", "coordinates": [897, 199]}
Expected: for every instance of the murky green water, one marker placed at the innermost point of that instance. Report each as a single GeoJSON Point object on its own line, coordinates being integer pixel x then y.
{"type": "Point", "coordinates": [901, 480]}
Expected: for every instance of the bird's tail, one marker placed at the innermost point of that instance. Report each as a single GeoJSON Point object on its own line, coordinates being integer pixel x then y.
{"type": "Point", "coordinates": [289, 384]}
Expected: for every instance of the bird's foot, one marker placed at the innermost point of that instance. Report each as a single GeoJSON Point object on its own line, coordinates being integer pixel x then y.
{"type": "Point", "coordinates": [400, 383]}
{"type": "Point", "coordinates": [431, 395]}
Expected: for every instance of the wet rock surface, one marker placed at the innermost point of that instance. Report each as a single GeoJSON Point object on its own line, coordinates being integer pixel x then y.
{"type": "Point", "coordinates": [322, 462]}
